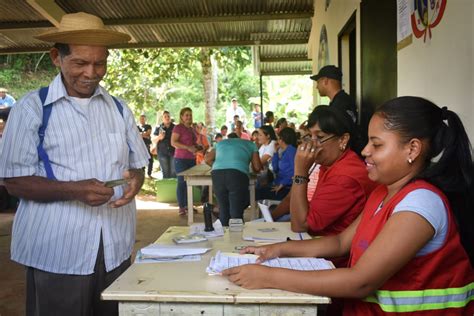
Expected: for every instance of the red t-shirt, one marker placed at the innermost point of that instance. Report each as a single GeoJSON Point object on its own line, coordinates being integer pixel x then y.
{"type": "Point", "coordinates": [340, 195]}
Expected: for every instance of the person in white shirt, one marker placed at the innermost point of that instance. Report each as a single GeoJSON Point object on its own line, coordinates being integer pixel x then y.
{"type": "Point", "coordinates": [233, 110]}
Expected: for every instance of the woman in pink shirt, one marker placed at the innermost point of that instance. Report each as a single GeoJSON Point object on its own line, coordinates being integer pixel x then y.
{"type": "Point", "coordinates": [183, 139]}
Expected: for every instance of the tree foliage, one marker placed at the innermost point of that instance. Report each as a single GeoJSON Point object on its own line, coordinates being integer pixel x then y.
{"type": "Point", "coordinates": [152, 80]}
{"type": "Point", "coordinates": [21, 73]}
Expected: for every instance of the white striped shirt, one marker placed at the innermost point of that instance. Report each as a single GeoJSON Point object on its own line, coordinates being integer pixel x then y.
{"type": "Point", "coordinates": [94, 141]}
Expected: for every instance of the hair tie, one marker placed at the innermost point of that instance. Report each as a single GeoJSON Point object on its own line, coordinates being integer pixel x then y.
{"type": "Point", "coordinates": [444, 113]}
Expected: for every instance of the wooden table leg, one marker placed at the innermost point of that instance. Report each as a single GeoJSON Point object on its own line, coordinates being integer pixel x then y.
{"type": "Point", "coordinates": [253, 203]}
{"type": "Point", "coordinates": [190, 203]}
{"type": "Point", "coordinates": [210, 194]}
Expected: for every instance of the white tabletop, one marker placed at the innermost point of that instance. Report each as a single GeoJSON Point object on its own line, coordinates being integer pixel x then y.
{"type": "Point", "coordinates": [188, 282]}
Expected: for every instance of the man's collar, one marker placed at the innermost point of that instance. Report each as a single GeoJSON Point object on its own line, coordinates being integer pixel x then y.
{"type": "Point", "coordinates": [57, 90]}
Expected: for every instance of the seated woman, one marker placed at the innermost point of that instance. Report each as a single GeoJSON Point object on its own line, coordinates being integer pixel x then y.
{"type": "Point", "coordinates": [411, 247]}
{"type": "Point", "coordinates": [343, 185]}
{"type": "Point", "coordinates": [230, 175]}
{"type": "Point", "coordinates": [283, 163]}
{"type": "Point", "coordinates": [267, 140]}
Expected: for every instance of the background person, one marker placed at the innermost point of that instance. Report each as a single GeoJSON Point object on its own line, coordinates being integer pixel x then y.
{"type": "Point", "coordinates": [165, 152]}
{"type": "Point", "coordinates": [6, 103]}
{"type": "Point", "coordinates": [283, 163]}
{"type": "Point", "coordinates": [183, 139]}
{"type": "Point", "coordinates": [256, 116]}
{"type": "Point", "coordinates": [145, 132]}
{"type": "Point", "coordinates": [267, 141]}
{"type": "Point", "coordinates": [239, 130]}
{"type": "Point", "coordinates": [233, 110]}
{"type": "Point", "coordinates": [83, 232]}
{"type": "Point", "coordinates": [6, 100]}
{"type": "Point", "coordinates": [418, 222]}
{"type": "Point", "coordinates": [329, 84]}
{"type": "Point", "coordinates": [230, 161]}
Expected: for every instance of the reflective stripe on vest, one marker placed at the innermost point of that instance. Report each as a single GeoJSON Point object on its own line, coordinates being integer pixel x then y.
{"type": "Point", "coordinates": [412, 301]}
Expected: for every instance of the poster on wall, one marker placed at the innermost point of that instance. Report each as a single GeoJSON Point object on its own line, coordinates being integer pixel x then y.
{"type": "Point", "coordinates": [323, 53]}
{"type": "Point", "coordinates": [323, 58]}
{"type": "Point", "coordinates": [404, 34]}
{"type": "Point", "coordinates": [425, 16]}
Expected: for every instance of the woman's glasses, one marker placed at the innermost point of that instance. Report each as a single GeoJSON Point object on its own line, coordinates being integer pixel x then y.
{"type": "Point", "coordinates": [309, 138]}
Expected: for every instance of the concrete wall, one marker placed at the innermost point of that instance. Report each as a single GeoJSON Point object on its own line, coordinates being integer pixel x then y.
{"type": "Point", "coordinates": [336, 16]}
{"type": "Point", "coordinates": [441, 69]}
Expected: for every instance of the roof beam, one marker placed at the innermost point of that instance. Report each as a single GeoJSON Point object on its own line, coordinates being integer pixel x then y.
{"type": "Point", "coordinates": [48, 9]}
{"type": "Point", "coordinates": [172, 45]}
{"type": "Point", "coordinates": [283, 59]}
{"type": "Point", "coordinates": [212, 19]}
{"type": "Point", "coordinates": [53, 15]}
{"type": "Point", "coordinates": [214, 43]}
{"type": "Point", "coordinates": [285, 73]}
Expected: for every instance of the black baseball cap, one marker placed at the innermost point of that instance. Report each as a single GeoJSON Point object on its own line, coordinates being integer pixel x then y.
{"type": "Point", "coordinates": [329, 71]}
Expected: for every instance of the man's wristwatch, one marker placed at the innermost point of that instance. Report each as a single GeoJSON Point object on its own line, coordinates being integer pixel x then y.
{"type": "Point", "coordinates": [300, 180]}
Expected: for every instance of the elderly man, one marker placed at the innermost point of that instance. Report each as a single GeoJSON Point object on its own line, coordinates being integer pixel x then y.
{"type": "Point", "coordinates": [328, 82]}
{"type": "Point", "coordinates": [6, 103]}
{"type": "Point", "coordinates": [74, 229]}
{"type": "Point", "coordinates": [6, 100]}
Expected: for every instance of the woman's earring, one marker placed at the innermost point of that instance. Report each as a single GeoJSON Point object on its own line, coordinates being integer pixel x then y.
{"type": "Point", "coordinates": [342, 147]}
{"type": "Point", "coordinates": [410, 161]}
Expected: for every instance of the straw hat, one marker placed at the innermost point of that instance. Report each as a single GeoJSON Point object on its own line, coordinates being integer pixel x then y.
{"type": "Point", "coordinates": [83, 29]}
{"type": "Point", "coordinates": [3, 90]}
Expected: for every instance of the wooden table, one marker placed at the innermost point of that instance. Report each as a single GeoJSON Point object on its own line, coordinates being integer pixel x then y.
{"type": "Point", "coordinates": [201, 175]}
{"type": "Point", "coordinates": [184, 288]}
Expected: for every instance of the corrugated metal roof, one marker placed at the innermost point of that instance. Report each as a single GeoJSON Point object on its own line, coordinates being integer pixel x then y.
{"type": "Point", "coordinates": [277, 29]}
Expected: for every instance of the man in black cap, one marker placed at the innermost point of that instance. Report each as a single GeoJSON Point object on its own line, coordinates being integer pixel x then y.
{"type": "Point", "coordinates": [328, 82]}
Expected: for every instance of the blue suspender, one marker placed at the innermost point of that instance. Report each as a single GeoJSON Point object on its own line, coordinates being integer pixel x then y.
{"type": "Point", "coordinates": [43, 92]}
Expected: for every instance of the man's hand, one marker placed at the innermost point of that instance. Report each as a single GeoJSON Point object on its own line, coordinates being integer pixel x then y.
{"type": "Point", "coordinates": [135, 179]}
{"type": "Point", "coordinates": [249, 276]}
{"type": "Point", "coordinates": [93, 192]}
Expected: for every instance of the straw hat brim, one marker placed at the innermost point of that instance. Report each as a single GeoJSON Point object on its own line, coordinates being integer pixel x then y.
{"type": "Point", "coordinates": [92, 37]}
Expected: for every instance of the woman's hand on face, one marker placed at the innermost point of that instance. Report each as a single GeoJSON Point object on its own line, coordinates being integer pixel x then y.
{"type": "Point", "coordinates": [305, 157]}
{"type": "Point", "coordinates": [249, 276]}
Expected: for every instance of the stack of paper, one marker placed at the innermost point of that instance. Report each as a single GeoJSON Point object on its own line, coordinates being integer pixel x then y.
{"type": "Point", "coordinates": [223, 261]}
{"type": "Point", "coordinates": [264, 232]}
{"type": "Point", "coordinates": [198, 229]}
{"type": "Point", "coordinates": [158, 252]}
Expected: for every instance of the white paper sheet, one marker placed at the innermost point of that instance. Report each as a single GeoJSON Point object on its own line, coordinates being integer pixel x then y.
{"type": "Point", "coordinates": [225, 260]}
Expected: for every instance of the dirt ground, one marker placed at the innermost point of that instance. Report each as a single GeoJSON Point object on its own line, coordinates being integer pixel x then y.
{"type": "Point", "coordinates": [152, 220]}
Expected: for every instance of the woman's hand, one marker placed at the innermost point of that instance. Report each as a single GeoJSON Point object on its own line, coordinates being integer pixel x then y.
{"type": "Point", "coordinates": [277, 188]}
{"type": "Point", "coordinates": [249, 276]}
{"type": "Point", "coordinates": [305, 157]}
{"type": "Point", "coordinates": [263, 252]}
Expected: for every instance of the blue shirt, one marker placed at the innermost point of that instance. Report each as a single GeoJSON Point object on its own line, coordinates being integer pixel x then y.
{"type": "Point", "coordinates": [83, 142]}
{"type": "Point", "coordinates": [234, 153]}
{"type": "Point", "coordinates": [8, 101]}
{"type": "Point", "coordinates": [284, 166]}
